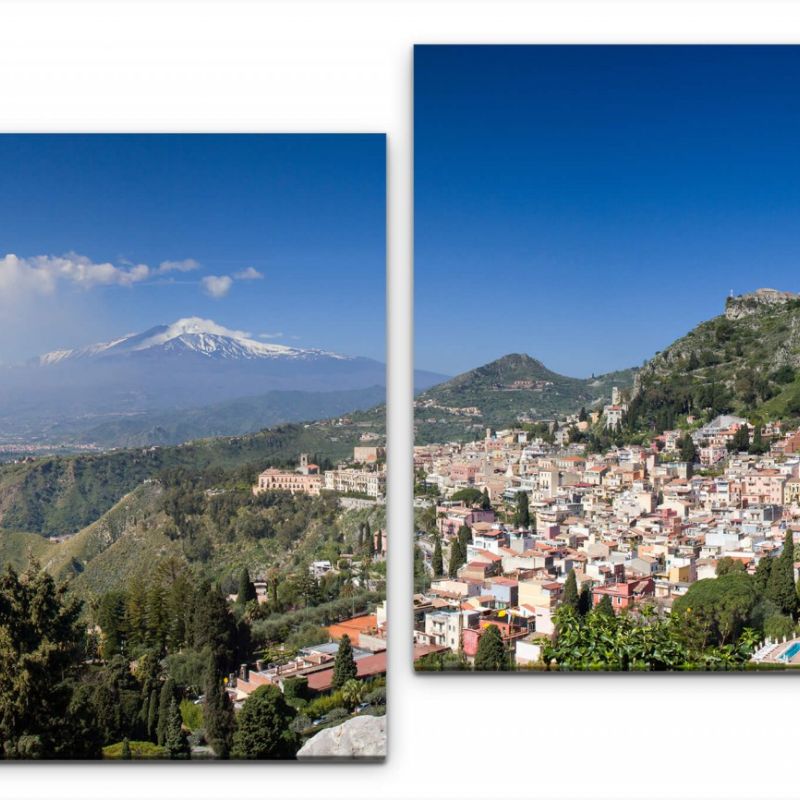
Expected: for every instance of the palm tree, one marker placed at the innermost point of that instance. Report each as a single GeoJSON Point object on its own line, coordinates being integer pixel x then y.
{"type": "Point", "coordinates": [352, 693]}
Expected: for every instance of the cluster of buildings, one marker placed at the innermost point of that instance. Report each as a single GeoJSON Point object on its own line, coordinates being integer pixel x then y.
{"type": "Point", "coordinates": [635, 524]}
{"type": "Point", "coordinates": [368, 479]}
{"type": "Point", "coordinates": [315, 664]}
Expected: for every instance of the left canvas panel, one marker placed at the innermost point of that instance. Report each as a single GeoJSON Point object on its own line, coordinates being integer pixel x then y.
{"type": "Point", "coordinates": [192, 460]}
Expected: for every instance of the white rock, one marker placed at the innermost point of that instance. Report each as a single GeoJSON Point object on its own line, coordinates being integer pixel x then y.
{"type": "Point", "coordinates": [360, 737]}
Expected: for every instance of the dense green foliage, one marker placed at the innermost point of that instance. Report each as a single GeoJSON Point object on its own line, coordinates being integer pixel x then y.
{"type": "Point", "coordinates": [491, 655]}
{"type": "Point", "coordinates": [625, 642]}
{"type": "Point", "coordinates": [745, 366]}
{"type": "Point", "coordinates": [58, 495]}
{"type": "Point", "coordinates": [263, 727]}
{"type": "Point", "coordinates": [41, 644]}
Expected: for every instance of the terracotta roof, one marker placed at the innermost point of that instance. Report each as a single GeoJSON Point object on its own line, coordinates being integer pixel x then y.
{"type": "Point", "coordinates": [366, 667]}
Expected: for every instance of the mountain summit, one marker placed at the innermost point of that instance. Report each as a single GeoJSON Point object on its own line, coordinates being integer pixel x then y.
{"type": "Point", "coordinates": [189, 335]}
{"type": "Point", "coordinates": [512, 388]}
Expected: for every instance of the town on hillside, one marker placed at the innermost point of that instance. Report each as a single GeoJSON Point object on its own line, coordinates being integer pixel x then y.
{"type": "Point", "coordinates": [255, 629]}
{"type": "Point", "coordinates": [534, 552]}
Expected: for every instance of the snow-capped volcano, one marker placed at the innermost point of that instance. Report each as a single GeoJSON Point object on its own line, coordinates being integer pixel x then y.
{"type": "Point", "coordinates": [190, 335]}
{"type": "Point", "coordinates": [192, 363]}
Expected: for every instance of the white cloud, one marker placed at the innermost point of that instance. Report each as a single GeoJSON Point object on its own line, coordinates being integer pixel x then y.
{"type": "Point", "coordinates": [217, 286]}
{"type": "Point", "coordinates": [248, 274]}
{"type": "Point", "coordinates": [276, 335]}
{"type": "Point", "coordinates": [43, 274]}
{"type": "Point", "coordinates": [187, 265]}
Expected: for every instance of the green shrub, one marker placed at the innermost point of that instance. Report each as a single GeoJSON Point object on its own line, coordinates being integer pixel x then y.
{"type": "Point", "coordinates": [139, 751]}
{"type": "Point", "coordinates": [192, 714]}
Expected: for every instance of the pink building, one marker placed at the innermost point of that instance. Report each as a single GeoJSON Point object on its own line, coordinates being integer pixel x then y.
{"type": "Point", "coordinates": [449, 520]}
{"type": "Point", "coordinates": [626, 593]}
{"type": "Point", "coordinates": [764, 487]}
{"type": "Point", "coordinates": [464, 472]}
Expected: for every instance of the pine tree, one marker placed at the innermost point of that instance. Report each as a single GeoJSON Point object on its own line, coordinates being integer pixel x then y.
{"type": "Point", "coordinates": [125, 753]}
{"type": "Point", "coordinates": [344, 667]}
{"type": "Point", "coordinates": [437, 563]}
{"type": "Point", "coordinates": [41, 641]}
{"type": "Point", "coordinates": [491, 655]}
{"type": "Point", "coordinates": [156, 619]}
{"type": "Point", "coordinates": [264, 727]}
{"type": "Point", "coordinates": [571, 591]}
{"type": "Point", "coordinates": [218, 711]}
{"type": "Point", "coordinates": [175, 741]}
{"type": "Point", "coordinates": [213, 625]}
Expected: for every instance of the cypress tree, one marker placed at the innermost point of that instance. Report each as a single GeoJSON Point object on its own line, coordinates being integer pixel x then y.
{"type": "Point", "coordinates": [491, 655]}
{"type": "Point", "coordinates": [604, 606]}
{"type": "Point", "coordinates": [687, 449]}
{"type": "Point", "coordinates": [344, 667]}
{"type": "Point", "coordinates": [571, 591]}
{"type": "Point", "coordinates": [166, 698]}
{"type": "Point", "coordinates": [781, 586]}
{"type": "Point", "coordinates": [763, 571]}
{"type": "Point", "coordinates": [486, 502]}
{"type": "Point", "coordinates": [585, 600]}
{"type": "Point", "coordinates": [152, 716]}
{"type": "Point", "coordinates": [175, 741]}
{"type": "Point", "coordinates": [522, 518]}
{"type": "Point", "coordinates": [757, 446]}
{"type": "Point", "coordinates": [125, 754]}
{"type": "Point", "coordinates": [247, 590]}
{"type": "Point", "coordinates": [369, 542]}
{"type": "Point", "coordinates": [437, 563]}
{"type": "Point", "coordinates": [456, 558]}
{"type": "Point", "coordinates": [218, 711]}
{"type": "Point", "coordinates": [464, 538]}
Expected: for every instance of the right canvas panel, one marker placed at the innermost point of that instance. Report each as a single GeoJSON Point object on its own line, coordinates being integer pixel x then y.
{"type": "Point", "coordinates": [607, 242]}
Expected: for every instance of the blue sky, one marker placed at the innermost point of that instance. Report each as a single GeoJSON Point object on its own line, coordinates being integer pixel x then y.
{"type": "Point", "coordinates": [588, 205]}
{"type": "Point", "coordinates": [282, 236]}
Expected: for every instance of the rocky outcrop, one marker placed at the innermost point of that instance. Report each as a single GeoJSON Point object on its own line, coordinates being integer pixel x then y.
{"type": "Point", "coordinates": [745, 304]}
{"type": "Point", "coordinates": [360, 737]}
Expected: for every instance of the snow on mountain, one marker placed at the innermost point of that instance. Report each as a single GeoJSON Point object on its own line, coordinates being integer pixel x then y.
{"type": "Point", "coordinates": [193, 335]}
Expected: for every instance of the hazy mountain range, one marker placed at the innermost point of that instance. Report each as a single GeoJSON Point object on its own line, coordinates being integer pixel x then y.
{"type": "Point", "coordinates": [146, 380]}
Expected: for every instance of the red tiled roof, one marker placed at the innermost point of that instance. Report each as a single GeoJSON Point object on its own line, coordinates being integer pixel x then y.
{"type": "Point", "coordinates": [367, 667]}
